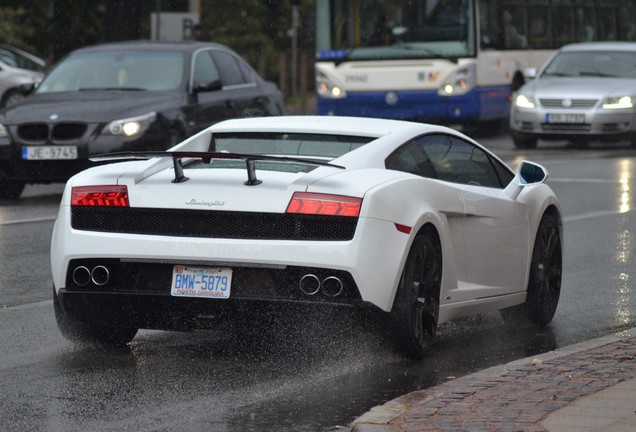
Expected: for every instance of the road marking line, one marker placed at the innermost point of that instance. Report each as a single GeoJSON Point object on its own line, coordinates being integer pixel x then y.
{"type": "Point", "coordinates": [32, 220]}
{"type": "Point", "coordinates": [593, 215]}
{"type": "Point", "coordinates": [28, 305]}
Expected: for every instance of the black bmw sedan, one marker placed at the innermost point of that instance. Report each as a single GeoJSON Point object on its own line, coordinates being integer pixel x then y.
{"type": "Point", "coordinates": [123, 97]}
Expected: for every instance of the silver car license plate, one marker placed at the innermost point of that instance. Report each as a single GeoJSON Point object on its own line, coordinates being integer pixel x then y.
{"type": "Point", "coordinates": [565, 118]}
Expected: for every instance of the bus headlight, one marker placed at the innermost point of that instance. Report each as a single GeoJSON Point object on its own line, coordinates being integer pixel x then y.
{"type": "Point", "coordinates": [326, 88]}
{"type": "Point", "coordinates": [459, 83]}
{"type": "Point", "coordinates": [523, 101]}
{"type": "Point", "coordinates": [614, 103]}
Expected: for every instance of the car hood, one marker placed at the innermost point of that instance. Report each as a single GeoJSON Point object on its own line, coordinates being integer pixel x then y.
{"type": "Point", "coordinates": [581, 87]}
{"type": "Point", "coordinates": [90, 106]}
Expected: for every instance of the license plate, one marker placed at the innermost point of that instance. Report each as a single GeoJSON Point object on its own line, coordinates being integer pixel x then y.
{"type": "Point", "coordinates": [202, 282]}
{"type": "Point", "coordinates": [565, 118]}
{"type": "Point", "coordinates": [49, 152]}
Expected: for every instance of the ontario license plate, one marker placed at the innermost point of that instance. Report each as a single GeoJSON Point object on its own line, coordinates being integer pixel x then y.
{"type": "Point", "coordinates": [49, 152]}
{"type": "Point", "coordinates": [202, 282]}
{"type": "Point", "coordinates": [565, 118]}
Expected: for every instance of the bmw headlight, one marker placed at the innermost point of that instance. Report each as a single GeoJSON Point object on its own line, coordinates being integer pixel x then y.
{"type": "Point", "coordinates": [615, 103]}
{"type": "Point", "coordinates": [523, 101]}
{"type": "Point", "coordinates": [459, 83]}
{"type": "Point", "coordinates": [130, 127]}
{"type": "Point", "coordinates": [327, 88]}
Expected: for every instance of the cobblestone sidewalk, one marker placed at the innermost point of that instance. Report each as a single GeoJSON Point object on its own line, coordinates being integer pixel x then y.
{"type": "Point", "coordinates": [513, 397]}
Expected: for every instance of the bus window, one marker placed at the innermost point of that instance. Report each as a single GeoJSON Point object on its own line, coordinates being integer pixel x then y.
{"type": "Point", "coordinates": [563, 19]}
{"type": "Point", "coordinates": [539, 31]}
{"type": "Point", "coordinates": [626, 24]}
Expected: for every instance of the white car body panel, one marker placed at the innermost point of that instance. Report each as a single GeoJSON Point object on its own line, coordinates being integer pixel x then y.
{"type": "Point", "coordinates": [470, 220]}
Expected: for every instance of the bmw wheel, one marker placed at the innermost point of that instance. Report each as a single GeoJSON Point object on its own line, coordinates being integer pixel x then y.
{"type": "Point", "coordinates": [416, 307]}
{"type": "Point", "coordinates": [86, 333]}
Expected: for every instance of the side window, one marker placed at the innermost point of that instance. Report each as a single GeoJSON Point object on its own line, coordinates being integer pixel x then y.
{"type": "Point", "coordinates": [411, 158]}
{"type": "Point", "coordinates": [204, 68]}
{"type": "Point", "coordinates": [459, 161]}
{"type": "Point", "coordinates": [229, 68]}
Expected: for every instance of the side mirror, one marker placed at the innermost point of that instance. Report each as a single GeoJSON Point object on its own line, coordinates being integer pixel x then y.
{"type": "Point", "coordinates": [531, 173]}
{"type": "Point", "coordinates": [530, 73]}
{"type": "Point", "coordinates": [528, 174]}
{"type": "Point", "coordinates": [208, 86]}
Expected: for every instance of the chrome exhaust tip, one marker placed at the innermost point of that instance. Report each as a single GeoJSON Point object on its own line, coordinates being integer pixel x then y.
{"type": "Point", "coordinates": [100, 275]}
{"type": "Point", "coordinates": [309, 284]}
{"type": "Point", "coordinates": [81, 276]}
{"type": "Point", "coordinates": [332, 286]}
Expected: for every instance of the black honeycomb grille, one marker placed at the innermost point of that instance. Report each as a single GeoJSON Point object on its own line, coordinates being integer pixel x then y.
{"type": "Point", "coordinates": [213, 224]}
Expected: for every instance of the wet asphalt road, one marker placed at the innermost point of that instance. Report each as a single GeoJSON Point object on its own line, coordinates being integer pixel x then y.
{"type": "Point", "coordinates": [324, 371]}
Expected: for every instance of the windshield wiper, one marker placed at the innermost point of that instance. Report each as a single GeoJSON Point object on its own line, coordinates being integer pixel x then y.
{"type": "Point", "coordinates": [111, 89]}
{"type": "Point", "coordinates": [595, 74]}
{"type": "Point", "coordinates": [558, 74]}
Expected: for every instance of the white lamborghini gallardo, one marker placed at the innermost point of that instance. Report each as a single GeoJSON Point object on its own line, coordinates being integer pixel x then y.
{"type": "Point", "coordinates": [416, 221]}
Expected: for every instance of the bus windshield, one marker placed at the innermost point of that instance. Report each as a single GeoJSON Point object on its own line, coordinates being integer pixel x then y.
{"type": "Point", "coordinates": [398, 29]}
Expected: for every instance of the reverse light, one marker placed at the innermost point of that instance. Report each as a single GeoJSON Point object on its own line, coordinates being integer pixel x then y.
{"type": "Point", "coordinates": [100, 196]}
{"type": "Point", "coordinates": [624, 102]}
{"type": "Point", "coordinates": [324, 204]}
{"type": "Point", "coordinates": [523, 101]}
{"type": "Point", "coordinates": [129, 127]}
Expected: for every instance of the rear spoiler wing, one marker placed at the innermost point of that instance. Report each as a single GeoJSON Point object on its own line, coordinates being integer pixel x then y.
{"type": "Point", "coordinates": [206, 157]}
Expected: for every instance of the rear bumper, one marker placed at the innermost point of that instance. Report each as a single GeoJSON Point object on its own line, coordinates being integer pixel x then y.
{"type": "Point", "coordinates": [163, 312]}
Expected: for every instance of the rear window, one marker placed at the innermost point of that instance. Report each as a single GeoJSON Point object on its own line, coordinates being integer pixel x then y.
{"type": "Point", "coordinates": [316, 146]}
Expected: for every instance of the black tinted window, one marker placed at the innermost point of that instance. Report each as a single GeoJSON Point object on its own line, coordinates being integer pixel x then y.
{"type": "Point", "coordinates": [447, 158]}
{"type": "Point", "coordinates": [229, 68]}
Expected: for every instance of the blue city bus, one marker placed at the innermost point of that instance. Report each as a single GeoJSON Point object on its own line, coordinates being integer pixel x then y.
{"type": "Point", "coordinates": [447, 61]}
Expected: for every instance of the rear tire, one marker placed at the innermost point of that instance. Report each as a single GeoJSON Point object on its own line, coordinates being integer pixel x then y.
{"type": "Point", "coordinates": [416, 306]}
{"type": "Point", "coordinates": [86, 333]}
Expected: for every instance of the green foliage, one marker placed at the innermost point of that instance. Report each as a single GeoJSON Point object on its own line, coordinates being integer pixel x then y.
{"type": "Point", "coordinates": [13, 30]}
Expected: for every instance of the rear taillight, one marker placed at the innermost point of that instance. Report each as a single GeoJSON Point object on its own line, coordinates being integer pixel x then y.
{"type": "Point", "coordinates": [100, 196]}
{"type": "Point", "coordinates": [324, 204]}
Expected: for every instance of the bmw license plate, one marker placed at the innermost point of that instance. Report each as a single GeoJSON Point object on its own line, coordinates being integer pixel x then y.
{"type": "Point", "coordinates": [565, 118]}
{"type": "Point", "coordinates": [49, 152]}
{"type": "Point", "coordinates": [202, 282]}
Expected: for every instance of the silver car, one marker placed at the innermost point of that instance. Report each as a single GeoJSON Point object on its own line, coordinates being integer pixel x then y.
{"type": "Point", "coordinates": [17, 68]}
{"type": "Point", "coordinates": [586, 91]}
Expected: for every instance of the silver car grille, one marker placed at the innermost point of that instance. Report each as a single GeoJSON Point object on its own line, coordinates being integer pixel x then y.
{"type": "Point", "coordinates": [568, 103]}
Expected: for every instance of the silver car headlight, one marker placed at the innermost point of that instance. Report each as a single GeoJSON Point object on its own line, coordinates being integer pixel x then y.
{"type": "Point", "coordinates": [459, 83]}
{"type": "Point", "coordinates": [130, 127]}
{"type": "Point", "coordinates": [524, 101]}
{"type": "Point", "coordinates": [327, 88]}
{"type": "Point", "coordinates": [617, 103]}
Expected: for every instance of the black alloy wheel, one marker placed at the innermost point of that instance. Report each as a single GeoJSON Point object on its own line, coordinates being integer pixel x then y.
{"type": "Point", "coordinates": [544, 284]}
{"type": "Point", "coordinates": [416, 306]}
